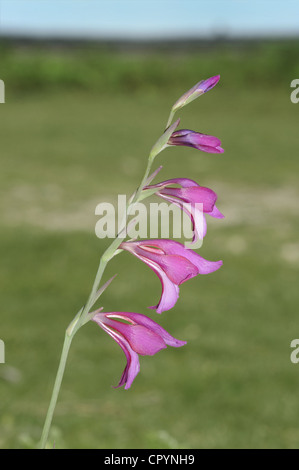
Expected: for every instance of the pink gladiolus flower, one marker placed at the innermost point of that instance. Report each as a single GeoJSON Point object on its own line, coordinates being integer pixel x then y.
{"type": "Point", "coordinates": [199, 89]}
{"type": "Point", "coordinates": [203, 142]}
{"type": "Point", "coordinates": [188, 197]}
{"type": "Point", "coordinates": [138, 335]}
{"type": "Point", "coordinates": [173, 263]}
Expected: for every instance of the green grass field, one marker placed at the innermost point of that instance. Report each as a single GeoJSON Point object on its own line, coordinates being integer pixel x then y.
{"type": "Point", "coordinates": [76, 135]}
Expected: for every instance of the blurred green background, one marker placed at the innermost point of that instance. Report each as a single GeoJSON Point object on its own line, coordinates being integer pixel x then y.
{"type": "Point", "coordinates": [76, 130]}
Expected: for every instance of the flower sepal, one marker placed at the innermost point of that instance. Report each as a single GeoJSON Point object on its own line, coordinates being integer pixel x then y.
{"type": "Point", "coordinates": [162, 142]}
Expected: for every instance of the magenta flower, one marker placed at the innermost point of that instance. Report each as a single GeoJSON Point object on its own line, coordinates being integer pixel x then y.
{"type": "Point", "coordinates": [208, 84]}
{"type": "Point", "coordinates": [199, 89]}
{"type": "Point", "coordinates": [203, 142]}
{"type": "Point", "coordinates": [139, 335]}
{"type": "Point", "coordinates": [173, 264]}
{"type": "Point", "coordinates": [193, 199]}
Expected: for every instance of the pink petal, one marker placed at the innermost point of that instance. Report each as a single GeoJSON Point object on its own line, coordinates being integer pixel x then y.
{"type": "Point", "coordinates": [208, 84]}
{"type": "Point", "coordinates": [199, 225]}
{"type": "Point", "coordinates": [170, 291]}
{"type": "Point", "coordinates": [177, 268]}
{"type": "Point", "coordinates": [138, 318]}
{"type": "Point", "coordinates": [184, 182]}
{"type": "Point", "coordinates": [172, 247]}
{"type": "Point", "coordinates": [141, 339]}
{"type": "Point", "coordinates": [207, 149]}
{"type": "Point", "coordinates": [193, 195]}
{"type": "Point", "coordinates": [197, 138]}
{"type": "Point", "coordinates": [133, 366]}
{"type": "Point", "coordinates": [191, 138]}
{"type": "Point", "coordinates": [216, 213]}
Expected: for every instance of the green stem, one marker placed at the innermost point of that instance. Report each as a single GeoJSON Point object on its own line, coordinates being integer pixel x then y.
{"type": "Point", "coordinates": [56, 388]}
{"type": "Point", "coordinates": [143, 182]}
{"type": "Point", "coordinates": [170, 118]}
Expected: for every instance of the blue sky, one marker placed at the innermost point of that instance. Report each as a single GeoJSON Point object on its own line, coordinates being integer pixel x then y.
{"type": "Point", "coordinates": [149, 18]}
